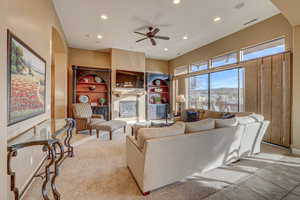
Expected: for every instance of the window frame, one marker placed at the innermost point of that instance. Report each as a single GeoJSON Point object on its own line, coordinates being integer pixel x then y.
{"type": "Point", "coordinates": [239, 68]}
{"type": "Point", "coordinates": [183, 66]}
{"type": "Point", "coordinates": [225, 54]}
{"type": "Point", "coordinates": [200, 63]}
{"type": "Point", "coordinates": [262, 43]}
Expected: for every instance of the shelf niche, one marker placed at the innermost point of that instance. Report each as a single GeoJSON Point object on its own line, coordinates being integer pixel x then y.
{"type": "Point", "coordinates": [158, 96]}
{"type": "Point", "coordinates": [93, 85]}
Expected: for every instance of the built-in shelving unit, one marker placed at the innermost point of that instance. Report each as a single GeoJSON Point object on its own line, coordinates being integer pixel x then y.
{"type": "Point", "coordinates": [92, 85]}
{"type": "Point", "coordinates": [158, 96]}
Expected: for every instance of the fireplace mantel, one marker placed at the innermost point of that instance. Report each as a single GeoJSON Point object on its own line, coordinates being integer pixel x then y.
{"type": "Point", "coordinates": [129, 92]}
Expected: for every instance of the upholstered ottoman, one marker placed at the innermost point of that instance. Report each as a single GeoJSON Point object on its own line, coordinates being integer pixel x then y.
{"type": "Point", "coordinates": [109, 126]}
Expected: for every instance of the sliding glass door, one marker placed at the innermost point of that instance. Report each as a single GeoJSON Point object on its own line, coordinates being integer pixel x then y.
{"type": "Point", "coordinates": [218, 91]}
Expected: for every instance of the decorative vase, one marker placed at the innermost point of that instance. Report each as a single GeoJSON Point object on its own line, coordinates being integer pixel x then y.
{"type": "Point", "coordinates": [102, 101]}
{"type": "Point", "coordinates": [92, 87]}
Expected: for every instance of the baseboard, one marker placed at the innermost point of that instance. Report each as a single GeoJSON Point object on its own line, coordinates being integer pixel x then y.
{"type": "Point", "coordinates": [295, 151]}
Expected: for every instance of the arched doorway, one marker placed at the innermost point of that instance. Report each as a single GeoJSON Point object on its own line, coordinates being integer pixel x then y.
{"type": "Point", "coordinates": [59, 61]}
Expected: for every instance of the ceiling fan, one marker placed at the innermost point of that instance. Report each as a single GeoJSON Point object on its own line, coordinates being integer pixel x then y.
{"type": "Point", "coordinates": [151, 35]}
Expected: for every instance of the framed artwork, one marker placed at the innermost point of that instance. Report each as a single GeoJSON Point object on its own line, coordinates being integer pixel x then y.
{"type": "Point", "coordinates": [26, 81]}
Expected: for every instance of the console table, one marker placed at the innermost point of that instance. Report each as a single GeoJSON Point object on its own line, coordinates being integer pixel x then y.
{"type": "Point", "coordinates": [56, 154]}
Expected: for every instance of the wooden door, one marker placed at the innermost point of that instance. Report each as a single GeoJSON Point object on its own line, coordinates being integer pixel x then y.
{"type": "Point", "coordinates": [268, 92]}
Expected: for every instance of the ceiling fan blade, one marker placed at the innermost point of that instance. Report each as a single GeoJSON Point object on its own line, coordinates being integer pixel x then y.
{"type": "Point", "coordinates": [162, 37]}
{"type": "Point", "coordinates": [140, 33]}
{"type": "Point", "coordinates": [155, 31]}
{"type": "Point", "coordinates": [141, 40]}
{"type": "Point", "coordinates": [153, 41]}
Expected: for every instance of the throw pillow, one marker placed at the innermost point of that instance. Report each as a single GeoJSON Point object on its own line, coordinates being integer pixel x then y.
{"type": "Point", "coordinates": [224, 123]}
{"type": "Point", "coordinates": [192, 116]}
{"type": "Point", "coordinates": [228, 116]}
{"type": "Point", "coordinates": [151, 133]}
{"type": "Point", "coordinates": [212, 114]}
{"type": "Point", "coordinates": [203, 125]}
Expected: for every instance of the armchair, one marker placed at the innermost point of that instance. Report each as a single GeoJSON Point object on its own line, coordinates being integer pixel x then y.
{"type": "Point", "coordinates": [85, 119]}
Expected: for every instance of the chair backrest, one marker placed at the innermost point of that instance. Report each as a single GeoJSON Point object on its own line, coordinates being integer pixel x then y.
{"type": "Point", "coordinates": [82, 110]}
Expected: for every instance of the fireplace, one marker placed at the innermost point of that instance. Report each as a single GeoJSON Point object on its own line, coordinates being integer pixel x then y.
{"type": "Point", "coordinates": [128, 109]}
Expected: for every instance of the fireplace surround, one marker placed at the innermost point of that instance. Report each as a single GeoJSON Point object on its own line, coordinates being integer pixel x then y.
{"type": "Point", "coordinates": [128, 109]}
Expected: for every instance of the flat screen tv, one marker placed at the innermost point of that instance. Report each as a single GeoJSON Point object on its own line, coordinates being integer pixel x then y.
{"type": "Point", "coordinates": [129, 79]}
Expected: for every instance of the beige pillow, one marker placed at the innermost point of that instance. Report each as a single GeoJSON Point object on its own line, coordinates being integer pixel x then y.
{"type": "Point", "coordinates": [150, 133]}
{"type": "Point", "coordinates": [224, 123]}
{"type": "Point", "coordinates": [212, 114]}
{"type": "Point", "coordinates": [202, 125]}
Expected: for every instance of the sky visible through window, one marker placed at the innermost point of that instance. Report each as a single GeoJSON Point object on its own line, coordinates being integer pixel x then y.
{"type": "Point", "coordinates": [262, 53]}
{"type": "Point", "coordinates": [223, 79]}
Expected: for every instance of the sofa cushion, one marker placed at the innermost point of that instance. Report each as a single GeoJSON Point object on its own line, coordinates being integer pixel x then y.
{"type": "Point", "coordinates": [202, 125]}
{"type": "Point", "coordinates": [245, 120]}
{"type": "Point", "coordinates": [150, 133]}
{"type": "Point", "coordinates": [258, 118]}
{"type": "Point", "coordinates": [223, 123]}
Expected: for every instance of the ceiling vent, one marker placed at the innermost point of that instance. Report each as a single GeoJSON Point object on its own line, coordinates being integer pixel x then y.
{"type": "Point", "coordinates": [250, 22]}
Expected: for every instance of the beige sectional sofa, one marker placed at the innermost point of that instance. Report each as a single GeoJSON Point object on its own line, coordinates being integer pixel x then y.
{"type": "Point", "coordinates": [161, 156]}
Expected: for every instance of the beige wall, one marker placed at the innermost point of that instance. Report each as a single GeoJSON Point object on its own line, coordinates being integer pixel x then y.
{"type": "Point", "coordinates": [296, 89]}
{"type": "Point", "coordinates": [59, 68]}
{"type": "Point", "coordinates": [88, 58]}
{"type": "Point", "coordinates": [269, 29]}
{"type": "Point", "coordinates": [3, 135]}
{"type": "Point", "coordinates": [127, 60]}
{"type": "Point", "coordinates": [157, 66]}
{"type": "Point", "coordinates": [32, 22]}
{"type": "Point", "coordinates": [290, 9]}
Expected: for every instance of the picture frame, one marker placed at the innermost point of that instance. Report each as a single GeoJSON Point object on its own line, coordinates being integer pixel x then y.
{"type": "Point", "coordinates": [26, 70]}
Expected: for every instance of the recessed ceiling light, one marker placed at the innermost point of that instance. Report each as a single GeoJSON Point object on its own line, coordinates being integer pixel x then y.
{"type": "Point", "coordinates": [176, 1]}
{"type": "Point", "coordinates": [217, 19]}
{"type": "Point", "coordinates": [185, 37]}
{"type": "Point", "coordinates": [99, 36]}
{"type": "Point", "coordinates": [166, 49]}
{"type": "Point", "coordinates": [104, 17]}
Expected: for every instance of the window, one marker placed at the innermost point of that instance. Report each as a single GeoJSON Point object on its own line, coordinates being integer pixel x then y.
{"type": "Point", "coordinates": [198, 92]}
{"type": "Point", "coordinates": [241, 89]}
{"type": "Point", "coordinates": [218, 91]}
{"type": "Point", "coordinates": [225, 89]}
{"type": "Point", "coordinates": [224, 60]}
{"type": "Point", "coordinates": [180, 70]}
{"type": "Point", "coordinates": [199, 67]}
{"type": "Point", "coordinates": [266, 49]}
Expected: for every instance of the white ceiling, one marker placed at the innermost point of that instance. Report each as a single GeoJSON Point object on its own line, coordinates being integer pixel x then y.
{"type": "Point", "coordinates": [193, 18]}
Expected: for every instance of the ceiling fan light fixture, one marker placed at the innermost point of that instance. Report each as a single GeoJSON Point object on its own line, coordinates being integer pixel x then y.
{"type": "Point", "coordinates": [176, 1]}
